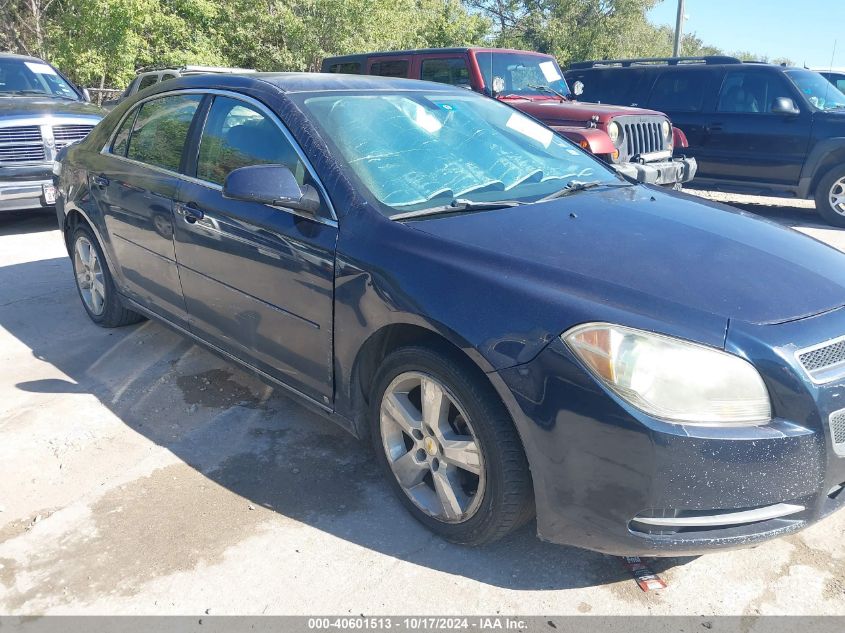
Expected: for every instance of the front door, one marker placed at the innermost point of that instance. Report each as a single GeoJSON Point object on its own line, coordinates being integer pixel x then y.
{"type": "Point", "coordinates": [258, 280]}
{"type": "Point", "coordinates": [745, 140]}
{"type": "Point", "coordinates": [134, 188]}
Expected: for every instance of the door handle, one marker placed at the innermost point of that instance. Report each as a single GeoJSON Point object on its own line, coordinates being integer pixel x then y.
{"type": "Point", "coordinates": [715, 127]}
{"type": "Point", "coordinates": [100, 181]}
{"type": "Point", "coordinates": [189, 212]}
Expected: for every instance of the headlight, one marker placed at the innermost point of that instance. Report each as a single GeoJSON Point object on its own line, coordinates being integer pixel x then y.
{"type": "Point", "coordinates": [667, 130]}
{"type": "Point", "coordinates": [613, 132]}
{"type": "Point", "coordinates": [671, 379]}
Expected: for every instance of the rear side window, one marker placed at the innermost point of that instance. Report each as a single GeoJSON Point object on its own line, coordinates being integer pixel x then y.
{"type": "Point", "coordinates": [238, 135]}
{"type": "Point", "coordinates": [751, 92]}
{"type": "Point", "coordinates": [390, 68]}
{"type": "Point", "coordinates": [679, 91]}
{"type": "Point", "coordinates": [147, 81]}
{"type": "Point", "coordinates": [160, 130]}
{"type": "Point", "coordinates": [349, 68]}
{"type": "Point", "coordinates": [451, 71]}
{"type": "Point", "coordinates": [121, 139]}
{"type": "Point", "coordinates": [617, 86]}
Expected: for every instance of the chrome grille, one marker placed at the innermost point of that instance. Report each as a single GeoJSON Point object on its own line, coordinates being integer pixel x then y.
{"type": "Point", "coordinates": [643, 137]}
{"type": "Point", "coordinates": [67, 134]}
{"type": "Point", "coordinates": [837, 431]}
{"type": "Point", "coordinates": [824, 362]}
{"type": "Point", "coordinates": [21, 144]}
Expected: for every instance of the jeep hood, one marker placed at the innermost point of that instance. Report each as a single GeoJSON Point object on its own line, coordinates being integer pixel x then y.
{"type": "Point", "coordinates": [553, 110]}
{"type": "Point", "coordinates": [666, 246]}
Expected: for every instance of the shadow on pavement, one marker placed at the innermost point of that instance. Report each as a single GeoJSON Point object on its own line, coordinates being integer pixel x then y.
{"type": "Point", "coordinates": [20, 222]}
{"type": "Point", "coordinates": [265, 448]}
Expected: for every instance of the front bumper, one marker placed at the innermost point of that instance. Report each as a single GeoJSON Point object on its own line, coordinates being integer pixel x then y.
{"type": "Point", "coordinates": [23, 187]}
{"type": "Point", "coordinates": [670, 172]}
{"type": "Point", "coordinates": [609, 478]}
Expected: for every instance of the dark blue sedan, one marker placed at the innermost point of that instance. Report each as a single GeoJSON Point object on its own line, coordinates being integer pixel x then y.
{"type": "Point", "coordinates": [517, 329]}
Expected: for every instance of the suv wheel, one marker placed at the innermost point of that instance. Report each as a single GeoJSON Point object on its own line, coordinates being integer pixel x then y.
{"type": "Point", "coordinates": [830, 196]}
{"type": "Point", "coordinates": [94, 282]}
{"type": "Point", "coordinates": [449, 448]}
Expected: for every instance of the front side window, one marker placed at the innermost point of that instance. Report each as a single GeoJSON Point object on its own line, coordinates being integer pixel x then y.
{"type": "Point", "coordinates": [416, 150]}
{"type": "Point", "coordinates": [121, 139]}
{"type": "Point", "coordinates": [751, 92]}
{"type": "Point", "coordinates": [390, 68]}
{"type": "Point", "coordinates": [161, 127]}
{"type": "Point", "coordinates": [19, 77]}
{"type": "Point", "coordinates": [817, 90]}
{"type": "Point", "coordinates": [452, 71]}
{"type": "Point", "coordinates": [521, 74]}
{"type": "Point", "coordinates": [238, 135]}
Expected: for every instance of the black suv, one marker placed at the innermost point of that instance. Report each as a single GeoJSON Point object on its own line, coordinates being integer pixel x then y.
{"type": "Point", "coordinates": [752, 127]}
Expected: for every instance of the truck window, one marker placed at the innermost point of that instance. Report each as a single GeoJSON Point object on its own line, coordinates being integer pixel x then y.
{"type": "Point", "coordinates": [390, 68]}
{"type": "Point", "coordinates": [751, 92]}
{"type": "Point", "coordinates": [348, 68]}
{"type": "Point", "coordinates": [452, 71]}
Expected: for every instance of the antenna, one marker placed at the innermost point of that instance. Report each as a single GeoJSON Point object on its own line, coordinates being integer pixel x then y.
{"type": "Point", "coordinates": [832, 57]}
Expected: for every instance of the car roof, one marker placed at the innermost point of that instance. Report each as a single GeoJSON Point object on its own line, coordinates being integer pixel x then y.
{"type": "Point", "coordinates": [713, 61]}
{"type": "Point", "coordinates": [302, 82]}
{"type": "Point", "coordinates": [27, 58]}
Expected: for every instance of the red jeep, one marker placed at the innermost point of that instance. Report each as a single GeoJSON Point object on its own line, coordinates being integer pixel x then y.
{"type": "Point", "coordinates": [639, 143]}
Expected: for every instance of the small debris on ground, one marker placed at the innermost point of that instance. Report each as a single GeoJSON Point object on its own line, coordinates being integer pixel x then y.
{"type": "Point", "coordinates": [645, 577]}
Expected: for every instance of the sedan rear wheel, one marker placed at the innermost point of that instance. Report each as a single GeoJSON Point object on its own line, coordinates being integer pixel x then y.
{"type": "Point", "coordinates": [449, 447]}
{"type": "Point", "coordinates": [94, 282]}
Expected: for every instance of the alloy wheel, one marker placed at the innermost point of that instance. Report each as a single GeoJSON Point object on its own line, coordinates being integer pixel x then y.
{"type": "Point", "coordinates": [89, 275]}
{"type": "Point", "coordinates": [836, 196]}
{"type": "Point", "coordinates": [431, 447]}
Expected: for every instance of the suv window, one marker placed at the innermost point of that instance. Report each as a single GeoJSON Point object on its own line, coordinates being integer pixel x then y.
{"type": "Point", "coordinates": [623, 87]}
{"type": "Point", "coordinates": [237, 135]}
{"type": "Point", "coordinates": [390, 68]}
{"type": "Point", "coordinates": [160, 130]}
{"type": "Point", "coordinates": [147, 81]}
{"type": "Point", "coordinates": [751, 92]}
{"type": "Point", "coordinates": [679, 91]}
{"type": "Point", "coordinates": [349, 68]}
{"type": "Point", "coordinates": [451, 71]}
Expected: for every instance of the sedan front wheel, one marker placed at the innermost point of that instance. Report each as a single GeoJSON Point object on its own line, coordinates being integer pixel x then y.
{"type": "Point", "coordinates": [449, 447]}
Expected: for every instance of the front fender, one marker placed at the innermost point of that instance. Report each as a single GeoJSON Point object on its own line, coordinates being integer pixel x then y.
{"type": "Point", "coordinates": [593, 140]}
{"type": "Point", "coordinates": [822, 156]}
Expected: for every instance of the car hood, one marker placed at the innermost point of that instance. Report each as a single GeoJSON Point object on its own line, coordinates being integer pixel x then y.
{"type": "Point", "coordinates": [29, 107]}
{"type": "Point", "coordinates": [554, 110]}
{"type": "Point", "coordinates": [668, 246]}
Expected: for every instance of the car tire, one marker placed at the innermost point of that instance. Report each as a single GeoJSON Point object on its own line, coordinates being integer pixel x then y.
{"type": "Point", "coordinates": [830, 187]}
{"type": "Point", "coordinates": [437, 472]}
{"type": "Point", "coordinates": [94, 282]}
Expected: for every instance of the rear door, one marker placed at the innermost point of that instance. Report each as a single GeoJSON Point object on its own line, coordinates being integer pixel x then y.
{"type": "Point", "coordinates": [134, 187]}
{"type": "Point", "coordinates": [258, 280]}
{"type": "Point", "coordinates": [745, 140]}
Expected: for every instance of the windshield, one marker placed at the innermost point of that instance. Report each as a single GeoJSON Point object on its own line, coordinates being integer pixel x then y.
{"type": "Point", "coordinates": [22, 77]}
{"type": "Point", "coordinates": [520, 74]}
{"type": "Point", "coordinates": [415, 150]}
{"type": "Point", "coordinates": [817, 90]}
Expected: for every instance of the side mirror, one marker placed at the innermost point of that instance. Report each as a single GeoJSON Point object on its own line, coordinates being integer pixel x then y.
{"type": "Point", "coordinates": [86, 95]}
{"type": "Point", "coordinates": [270, 184]}
{"type": "Point", "coordinates": [785, 105]}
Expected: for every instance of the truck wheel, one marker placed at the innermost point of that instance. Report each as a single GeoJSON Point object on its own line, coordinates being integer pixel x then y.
{"type": "Point", "coordinates": [830, 196]}
{"type": "Point", "coordinates": [449, 448]}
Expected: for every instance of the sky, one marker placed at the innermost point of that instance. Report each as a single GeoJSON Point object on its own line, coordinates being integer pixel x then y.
{"type": "Point", "coordinates": [803, 31]}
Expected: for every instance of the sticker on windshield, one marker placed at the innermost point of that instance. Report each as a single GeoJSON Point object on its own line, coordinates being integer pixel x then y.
{"type": "Point", "coordinates": [41, 69]}
{"type": "Point", "coordinates": [527, 127]}
{"type": "Point", "coordinates": [549, 71]}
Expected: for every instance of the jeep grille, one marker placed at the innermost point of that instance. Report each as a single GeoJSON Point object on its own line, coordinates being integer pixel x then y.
{"type": "Point", "coordinates": [640, 135]}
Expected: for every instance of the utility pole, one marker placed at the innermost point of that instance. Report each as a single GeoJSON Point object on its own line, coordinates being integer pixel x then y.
{"type": "Point", "coordinates": [679, 30]}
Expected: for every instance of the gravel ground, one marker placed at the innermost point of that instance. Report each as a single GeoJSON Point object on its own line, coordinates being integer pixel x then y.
{"type": "Point", "coordinates": [141, 474]}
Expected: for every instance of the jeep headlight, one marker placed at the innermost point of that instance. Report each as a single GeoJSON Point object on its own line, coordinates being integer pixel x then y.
{"type": "Point", "coordinates": [667, 131]}
{"type": "Point", "coordinates": [614, 132]}
{"type": "Point", "coordinates": [672, 379]}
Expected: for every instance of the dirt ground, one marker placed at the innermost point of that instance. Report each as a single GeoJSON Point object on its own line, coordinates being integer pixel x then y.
{"type": "Point", "coordinates": [141, 474]}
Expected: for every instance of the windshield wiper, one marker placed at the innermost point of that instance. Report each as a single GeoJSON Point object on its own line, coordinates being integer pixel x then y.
{"type": "Point", "coordinates": [548, 90]}
{"type": "Point", "coordinates": [458, 205]}
{"type": "Point", "coordinates": [574, 186]}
